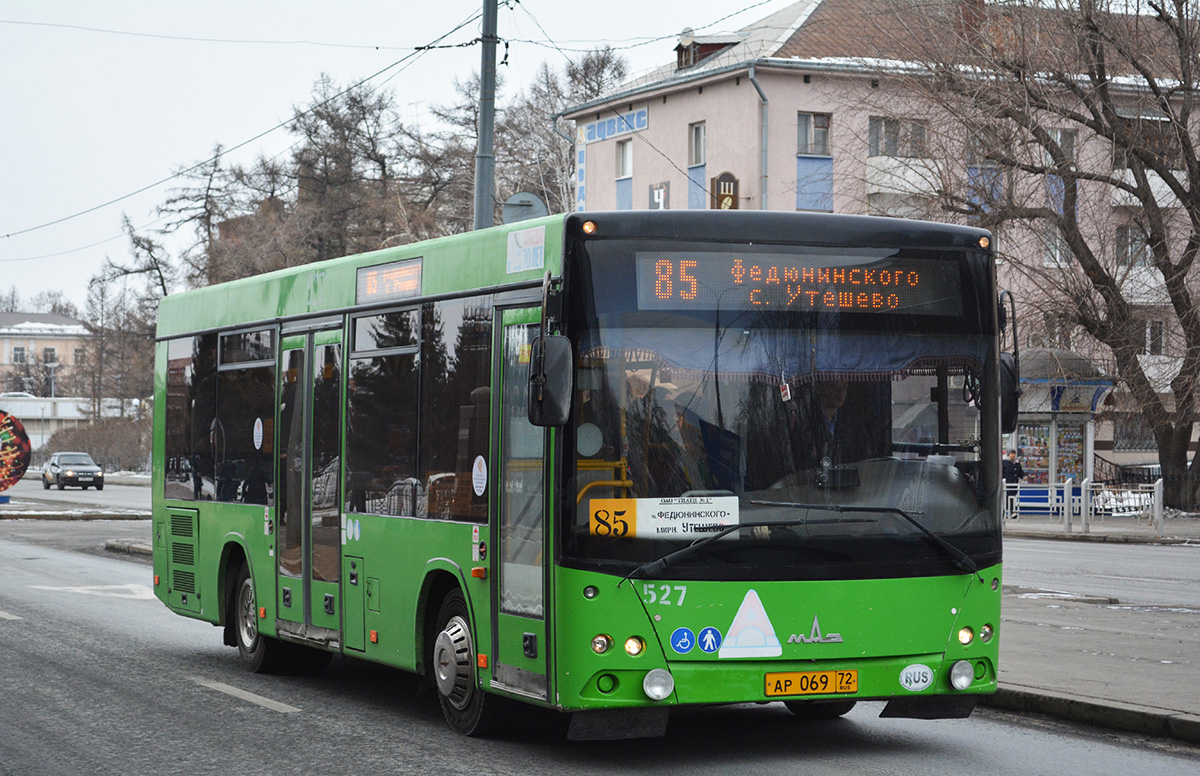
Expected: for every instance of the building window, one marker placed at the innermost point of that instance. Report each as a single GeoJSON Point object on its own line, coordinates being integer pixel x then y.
{"type": "Point", "coordinates": [1065, 139]}
{"type": "Point", "coordinates": [697, 144]}
{"type": "Point", "coordinates": [19, 356]}
{"type": "Point", "coordinates": [625, 158]}
{"type": "Point", "coordinates": [896, 137]}
{"type": "Point", "coordinates": [982, 146]}
{"type": "Point", "coordinates": [1056, 333]}
{"type": "Point", "coordinates": [985, 179]}
{"type": "Point", "coordinates": [1058, 253]}
{"type": "Point", "coordinates": [49, 355]}
{"type": "Point", "coordinates": [1154, 338]}
{"type": "Point", "coordinates": [1154, 134]}
{"type": "Point", "coordinates": [812, 134]}
{"type": "Point", "coordinates": [1133, 247]}
{"type": "Point", "coordinates": [1132, 432]}
{"type": "Point", "coordinates": [79, 356]}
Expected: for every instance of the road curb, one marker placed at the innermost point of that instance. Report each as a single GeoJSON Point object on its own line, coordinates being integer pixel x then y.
{"type": "Point", "coordinates": [129, 547]}
{"type": "Point", "coordinates": [1114, 715]}
{"type": "Point", "coordinates": [1109, 538]}
{"type": "Point", "coordinates": [39, 515]}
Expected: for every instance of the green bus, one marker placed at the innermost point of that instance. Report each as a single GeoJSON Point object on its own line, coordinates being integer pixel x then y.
{"type": "Point", "coordinates": [604, 463]}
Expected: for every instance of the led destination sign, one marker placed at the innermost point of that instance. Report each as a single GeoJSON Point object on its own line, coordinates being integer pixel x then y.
{"type": "Point", "coordinates": [388, 282]}
{"type": "Point", "coordinates": [796, 282]}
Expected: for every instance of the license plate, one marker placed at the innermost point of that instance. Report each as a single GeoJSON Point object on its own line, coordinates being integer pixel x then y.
{"type": "Point", "coordinates": [811, 683]}
{"type": "Point", "coordinates": [85, 479]}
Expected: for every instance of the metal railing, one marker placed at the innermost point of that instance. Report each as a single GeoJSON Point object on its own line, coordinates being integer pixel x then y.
{"type": "Point", "coordinates": [1089, 503]}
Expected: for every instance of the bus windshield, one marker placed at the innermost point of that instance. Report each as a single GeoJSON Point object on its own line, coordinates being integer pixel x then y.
{"type": "Point", "coordinates": [838, 440]}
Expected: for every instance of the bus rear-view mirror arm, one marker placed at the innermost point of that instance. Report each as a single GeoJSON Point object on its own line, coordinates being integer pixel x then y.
{"type": "Point", "coordinates": [1010, 368]}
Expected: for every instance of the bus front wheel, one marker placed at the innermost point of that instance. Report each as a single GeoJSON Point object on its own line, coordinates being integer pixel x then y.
{"type": "Point", "coordinates": [467, 709]}
{"type": "Point", "coordinates": [259, 653]}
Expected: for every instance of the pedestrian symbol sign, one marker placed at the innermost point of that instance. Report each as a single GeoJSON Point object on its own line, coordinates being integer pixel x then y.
{"type": "Point", "coordinates": [682, 640]}
{"type": "Point", "coordinates": [710, 639]}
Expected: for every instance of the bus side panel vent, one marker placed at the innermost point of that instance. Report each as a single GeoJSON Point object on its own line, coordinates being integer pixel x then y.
{"type": "Point", "coordinates": [184, 593]}
{"type": "Point", "coordinates": [183, 525]}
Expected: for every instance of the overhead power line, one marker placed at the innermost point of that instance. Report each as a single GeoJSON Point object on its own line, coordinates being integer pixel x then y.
{"type": "Point", "coordinates": [192, 39]}
{"type": "Point", "coordinates": [405, 60]}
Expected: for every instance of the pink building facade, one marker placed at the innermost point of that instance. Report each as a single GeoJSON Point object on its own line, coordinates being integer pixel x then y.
{"type": "Point", "coordinates": [791, 113]}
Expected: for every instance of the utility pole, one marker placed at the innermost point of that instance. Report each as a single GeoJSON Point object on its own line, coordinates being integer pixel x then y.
{"type": "Point", "coordinates": [485, 160]}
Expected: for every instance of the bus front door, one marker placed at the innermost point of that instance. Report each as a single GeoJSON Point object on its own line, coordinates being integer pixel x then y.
{"type": "Point", "coordinates": [308, 489]}
{"type": "Point", "coordinates": [520, 649]}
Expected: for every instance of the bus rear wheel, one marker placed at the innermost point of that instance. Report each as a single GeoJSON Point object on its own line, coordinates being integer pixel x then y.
{"type": "Point", "coordinates": [817, 710]}
{"type": "Point", "coordinates": [260, 654]}
{"type": "Point", "coordinates": [467, 709]}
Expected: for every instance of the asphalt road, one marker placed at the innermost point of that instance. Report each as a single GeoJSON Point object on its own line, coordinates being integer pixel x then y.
{"type": "Point", "coordinates": [1134, 574]}
{"type": "Point", "coordinates": [97, 676]}
{"type": "Point", "coordinates": [116, 498]}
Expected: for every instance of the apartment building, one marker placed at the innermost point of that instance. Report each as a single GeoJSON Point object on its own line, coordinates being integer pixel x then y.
{"type": "Point", "coordinates": [41, 353]}
{"type": "Point", "coordinates": [797, 112]}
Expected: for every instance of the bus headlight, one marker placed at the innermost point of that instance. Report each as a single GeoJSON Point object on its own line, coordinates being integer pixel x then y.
{"type": "Point", "coordinates": [985, 633]}
{"type": "Point", "coordinates": [965, 636]}
{"type": "Point", "coordinates": [634, 646]}
{"type": "Point", "coordinates": [962, 674]}
{"type": "Point", "coordinates": [601, 643]}
{"type": "Point", "coordinates": [658, 684]}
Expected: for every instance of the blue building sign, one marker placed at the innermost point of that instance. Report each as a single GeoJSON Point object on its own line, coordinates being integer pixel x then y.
{"type": "Point", "coordinates": [625, 123]}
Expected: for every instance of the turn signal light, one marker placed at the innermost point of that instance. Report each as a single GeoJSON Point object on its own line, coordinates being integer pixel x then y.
{"type": "Point", "coordinates": [589, 227]}
{"type": "Point", "coordinates": [262, 612]}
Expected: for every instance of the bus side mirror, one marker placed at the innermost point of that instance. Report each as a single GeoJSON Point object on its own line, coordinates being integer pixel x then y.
{"type": "Point", "coordinates": [1010, 391]}
{"type": "Point", "coordinates": [550, 381]}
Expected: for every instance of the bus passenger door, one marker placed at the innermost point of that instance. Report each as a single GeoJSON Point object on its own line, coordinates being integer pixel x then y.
{"type": "Point", "coordinates": [308, 489]}
{"type": "Point", "coordinates": [519, 649]}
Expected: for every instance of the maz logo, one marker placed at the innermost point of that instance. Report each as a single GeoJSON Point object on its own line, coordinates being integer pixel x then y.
{"type": "Point", "coordinates": [814, 636]}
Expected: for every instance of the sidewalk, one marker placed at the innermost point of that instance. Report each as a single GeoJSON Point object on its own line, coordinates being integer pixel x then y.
{"type": "Point", "coordinates": [1095, 660]}
{"type": "Point", "coordinates": [1179, 529]}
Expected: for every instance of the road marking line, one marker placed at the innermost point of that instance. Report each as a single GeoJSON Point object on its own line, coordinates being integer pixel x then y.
{"type": "Point", "coordinates": [246, 696]}
{"type": "Point", "coordinates": [134, 592]}
{"type": "Point", "coordinates": [6, 616]}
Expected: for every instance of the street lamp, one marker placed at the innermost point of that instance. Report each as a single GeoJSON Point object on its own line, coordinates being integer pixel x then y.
{"type": "Point", "coordinates": [53, 367]}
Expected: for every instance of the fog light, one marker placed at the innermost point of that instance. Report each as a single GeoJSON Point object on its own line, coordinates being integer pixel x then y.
{"type": "Point", "coordinates": [965, 636]}
{"type": "Point", "coordinates": [985, 633]}
{"type": "Point", "coordinates": [635, 646]}
{"type": "Point", "coordinates": [658, 684]}
{"type": "Point", "coordinates": [962, 674]}
{"type": "Point", "coordinates": [601, 643]}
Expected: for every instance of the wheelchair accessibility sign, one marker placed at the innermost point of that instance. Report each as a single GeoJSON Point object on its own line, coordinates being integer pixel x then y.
{"type": "Point", "coordinates": [682, 640]}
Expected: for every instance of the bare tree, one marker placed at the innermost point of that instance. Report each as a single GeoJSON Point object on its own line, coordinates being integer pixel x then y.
{"type": "Point", "coordinates": [10, 301]}
{"type": "Point", "coordinates": [1068, 127]}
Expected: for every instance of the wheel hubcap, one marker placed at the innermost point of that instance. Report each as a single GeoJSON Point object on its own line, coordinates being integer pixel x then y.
{"type": "Point", "coordinates": [453, 661]}
{"type": "Point", "coordinates": [248, 624]}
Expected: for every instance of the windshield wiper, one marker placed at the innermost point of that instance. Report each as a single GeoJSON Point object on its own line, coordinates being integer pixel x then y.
{"type": "Point", "coordinates": [960, 558]}
{"type": "Point", "coordinates": [655, 566]}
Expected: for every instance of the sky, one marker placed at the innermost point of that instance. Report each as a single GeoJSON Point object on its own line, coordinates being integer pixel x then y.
{"type": "Point", "coordinates": [100, 100]}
